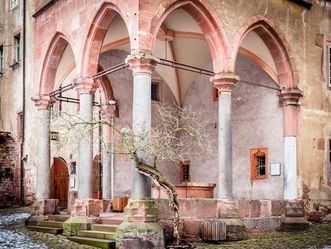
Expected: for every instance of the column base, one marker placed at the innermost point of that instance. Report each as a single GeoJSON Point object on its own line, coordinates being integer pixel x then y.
{"type": "Point", "coordinates": [140, 228]}
{"type": "Point", "coordinates": [106, 205]}
{"type": "Point", "coordinates": [87, 207]}
{"type": "Point", "coordinates": [45, 207]}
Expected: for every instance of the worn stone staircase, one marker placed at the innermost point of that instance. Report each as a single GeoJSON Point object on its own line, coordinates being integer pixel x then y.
{"type": "Point", "coordinates": [102, 234]}
{"type": "Point", "coordinates": [53, 225]}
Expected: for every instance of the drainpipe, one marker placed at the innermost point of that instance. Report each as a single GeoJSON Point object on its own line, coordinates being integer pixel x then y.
{"type": "Point", "coordinates": [23, 108]}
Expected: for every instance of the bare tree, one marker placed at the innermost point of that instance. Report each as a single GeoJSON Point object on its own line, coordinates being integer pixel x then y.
{"type": "Point", "coordinates": [179, 133]}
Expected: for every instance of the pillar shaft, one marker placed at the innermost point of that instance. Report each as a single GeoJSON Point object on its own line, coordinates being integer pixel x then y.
{"type": "Point", "coordinates": [224, 82]}
{"type": "Point", "coordinates": [109, 112]}
{"type": "Point", "coordinates": [85, 152]}
{"type": "Point", "coordinates": [43, 155]}
{"type": "Point", "coordinates": [290, 99]}
{"type": "Point", "coordinates": [142, 67]}
{"type": "Point", "coordinates": [224, 146]}
{"type": "Point", "coordinates": [85, 88]}
{"type": "Point", "coordinates": [43, 103]}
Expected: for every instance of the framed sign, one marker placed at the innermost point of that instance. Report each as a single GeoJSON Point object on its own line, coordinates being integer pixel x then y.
{"type": "Point", "coordinates": [275, 169]}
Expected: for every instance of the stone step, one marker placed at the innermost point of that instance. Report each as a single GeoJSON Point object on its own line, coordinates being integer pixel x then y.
{"type": "Point", "coordinates": [97, 234]}
{"type": "Point", "coordinates": [104, 228]}
{"type": "Point", "coordinates": [52, 230]}
{"type": "Point", "coordinates": [294, 224]}
{"type": "Point", "coordinates": [100, 243]}
{"type": "Point", "coordinates": [57, 224]}
{"type": "Point", "coordinates": [58, 217]}
{"type": "Point", "coordinates": [111, 221]}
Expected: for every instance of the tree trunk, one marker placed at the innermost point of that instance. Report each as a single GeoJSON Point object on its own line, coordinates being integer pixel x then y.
{"type": "Point", "coordinates": [164, 183]}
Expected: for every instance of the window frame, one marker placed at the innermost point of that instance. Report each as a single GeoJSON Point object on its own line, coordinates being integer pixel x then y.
{"type": "Point", "coordinates": [17, 47]}
{"type": "Point", "coordinates": [157, 82]}
{"type": "Point", "coordinates": [11, 6]}
{"type": "Point", "coordinates": [255, 152]}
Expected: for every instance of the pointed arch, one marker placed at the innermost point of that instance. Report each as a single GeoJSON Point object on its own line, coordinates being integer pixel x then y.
{"type": "Point", "coordinates": [51, 62]}
{"type": "Point", "coordinates": [276, 43]}
{"type": "Point", "coordinates": [95, 37]}
{"type": "Point", "coordinates": [106, 86]}
{"type": "Point", "coordinates": [211, 28]}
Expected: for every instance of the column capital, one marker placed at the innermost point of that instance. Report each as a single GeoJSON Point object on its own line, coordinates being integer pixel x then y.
{"type": "Point", "coordinates": [43, 102]}
{"type": "Point", "coordinates": [141, 63]}
{"type": "Point", "coordinates": [109, 111]}
{"type": "Point", "coordinates": [224, 82]}
{"type": "Point", "coordinates": [290, 96]}
{"type": "Point", "coordinates": [85, 85]}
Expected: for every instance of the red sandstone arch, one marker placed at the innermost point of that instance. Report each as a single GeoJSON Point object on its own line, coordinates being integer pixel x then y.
{"type": "Point", "coordinates": [95, 37]}
{"type": "Point", "coordinates": [211, 27]}
{"type": "Point", "coordinates": [51, 62]}
{"type": "Point", "coordinates": [106, 86]}
{"type": "Point", "coordinates": [277, 45]}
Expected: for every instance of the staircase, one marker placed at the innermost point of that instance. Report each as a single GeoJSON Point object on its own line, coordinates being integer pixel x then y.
{"type": "Point", "coordinates": [53, 225]}
{"type": "Point", "coordinates": [102, 235]}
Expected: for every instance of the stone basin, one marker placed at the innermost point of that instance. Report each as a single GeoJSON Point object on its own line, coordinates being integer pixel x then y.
{"type": "Point", "coordinates": [188, 190]}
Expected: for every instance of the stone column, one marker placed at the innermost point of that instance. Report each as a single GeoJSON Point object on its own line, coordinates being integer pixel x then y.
{"type": "Point", "coordinates": [84, 205]}
{"type": "Point", "coordinates": [86, 89]}
{"type": "Point", "coordinates": [142, 67]}
{"type": "Point", "coordinates": [43, 204]}
{"type": "Point", "coordinates": [224, 83]}
{"type": "Point", "coordinates": [290, 99]}
{"type": "Point", "coordinates": [109, 112]}
{"type": "Point", "coordinates": [140, 228]}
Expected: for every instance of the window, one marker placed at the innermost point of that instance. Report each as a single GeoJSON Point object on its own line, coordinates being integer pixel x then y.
{"type": "Point", "coordinates": [2, 60]}
{"type": "Point", "coordinates": [259, 163]}
{"type": "Point", "coordinates": [328, 47]}
{"type": "Point", "coordinates": [17, 47]}
{"type": "Point", "coordinates": [185, 171]}
{"type": "Point", "coordinates": [13, 4]}
{"type": "Point", "coordinates": [155, 91]}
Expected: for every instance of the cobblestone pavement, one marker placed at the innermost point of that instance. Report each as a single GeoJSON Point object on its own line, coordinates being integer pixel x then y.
{"type": "Point", "coordinates": [317, 237]}
{"type": "Point", "coordinates": [14, 235]}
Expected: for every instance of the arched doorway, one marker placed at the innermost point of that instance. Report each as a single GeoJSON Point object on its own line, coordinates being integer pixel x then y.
{"type": "Point", "coordinates": [60, 182]}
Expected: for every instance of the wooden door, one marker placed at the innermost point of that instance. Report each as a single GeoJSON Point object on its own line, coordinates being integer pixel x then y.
{"type": "Point", "coordinates": [96, 178]}
{"type": "Point", "coordinates": [60, 182]}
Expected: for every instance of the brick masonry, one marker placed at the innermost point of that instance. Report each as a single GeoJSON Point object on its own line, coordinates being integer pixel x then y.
{"type": "Point", "coordinates": [9, 173]}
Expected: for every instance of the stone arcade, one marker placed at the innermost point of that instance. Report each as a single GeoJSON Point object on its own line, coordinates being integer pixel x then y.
{"type": "Point", "coordinates": [254, 71]}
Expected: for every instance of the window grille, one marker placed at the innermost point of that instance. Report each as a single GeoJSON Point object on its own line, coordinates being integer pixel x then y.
{"type": "Point", "coordinates": [259, 163]}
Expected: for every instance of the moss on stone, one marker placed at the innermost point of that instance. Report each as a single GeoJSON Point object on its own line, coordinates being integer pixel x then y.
{"type": "Point", "coordinates": [75, 224]}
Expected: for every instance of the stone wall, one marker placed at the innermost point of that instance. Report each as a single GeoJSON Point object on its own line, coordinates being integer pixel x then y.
{"type": "Point", "coordinates": [9, 176]}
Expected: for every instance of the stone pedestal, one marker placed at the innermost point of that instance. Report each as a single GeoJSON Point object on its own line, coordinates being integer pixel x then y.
{"type": "Point", "coordinates": [294, 209]}
{"type": "Point", "coordinates": [140, 228]}
{"type": "Point", "coordinates": [45, 207]}
{"type": "Point", "coordinates": [87, 207]}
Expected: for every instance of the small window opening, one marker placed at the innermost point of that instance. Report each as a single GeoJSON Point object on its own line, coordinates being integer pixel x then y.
{"type": "Point", "coordinates": [13, 4]}
{"type": "Point", "coordinates": [155, 91]}
{"type": "Point", "coordinates": [185, 171]}
{"type": "Point", "coordinates": [17, 44]}
{"type": "Point", "coordinates": [259, 163]}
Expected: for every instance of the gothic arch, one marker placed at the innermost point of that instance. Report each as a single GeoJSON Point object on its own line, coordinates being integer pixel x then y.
{"type": "Point", "coordinates": [51, 62]}
{"type": "Point", "coordinates": [211, 28]}
{"type": "Point", "coordinates": [95, 38]}
{"type": "Point", "coordinates": [280, 51]}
